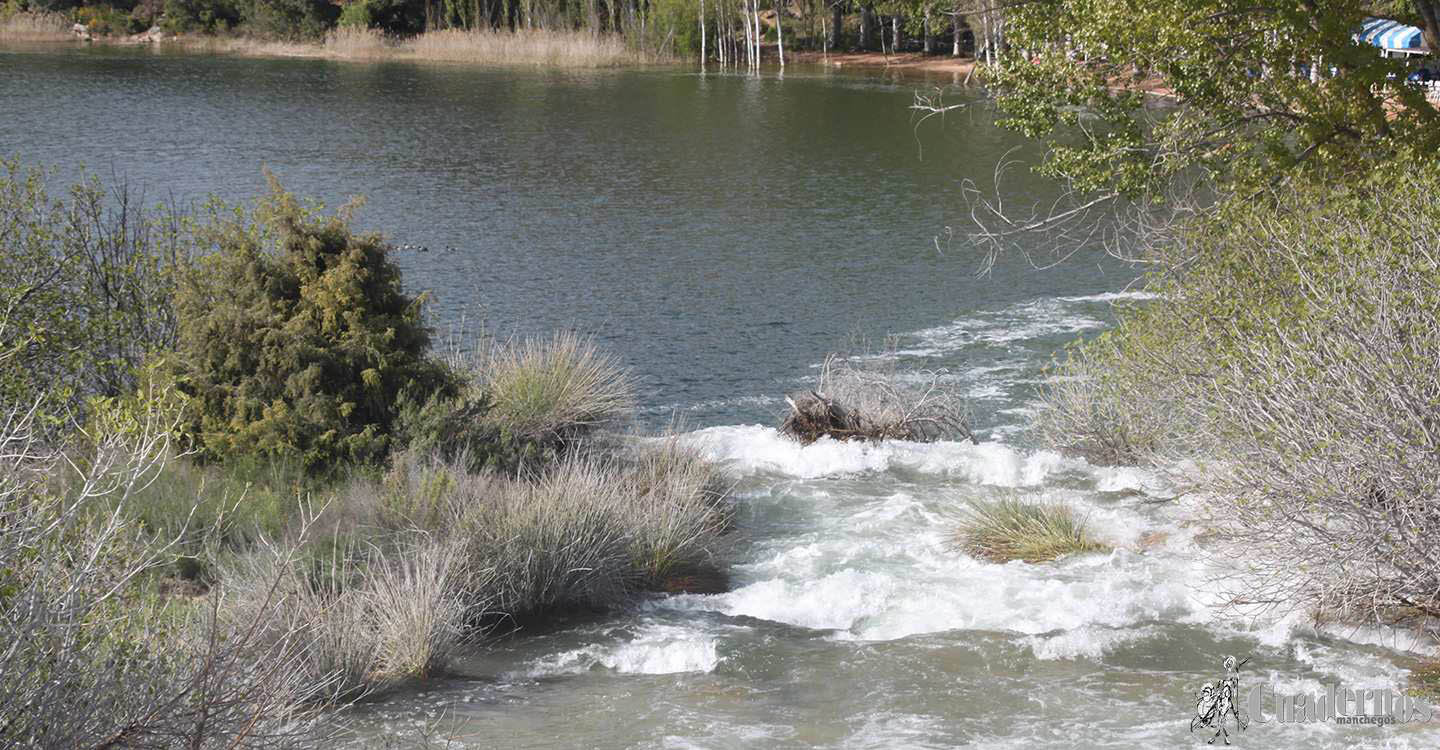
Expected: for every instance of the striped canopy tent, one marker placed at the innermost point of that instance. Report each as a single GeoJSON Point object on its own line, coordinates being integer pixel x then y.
{"type": "Point", "coordinates": [1391, 36]}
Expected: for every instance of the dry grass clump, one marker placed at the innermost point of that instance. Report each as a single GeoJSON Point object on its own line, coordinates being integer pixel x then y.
{"type": "Point", "coordinates": [35, 27]}
{"type": "Point", "coordinates": [679, 503]}
{"type": "Point", "coordinates": [357, 43]}
{"type": "Point", "coordinates": [858, 402]}
{"type": "Point", "coordinates": [376, 616]}
{"type": "Point", "coordinates": [555, 389]}
{"type": "Point", "coordinates": [245, 46]}
{"type": "Point", "coordinates": [563, 49]}
{"type": "Point", "coordinates": [593, 531]}
{"type": "Point", "coordinates": [1014, 529]}
{"type": "Point", "coordinates": [556, 541]}
{"type": "Point", "coordinates": [422, 561]}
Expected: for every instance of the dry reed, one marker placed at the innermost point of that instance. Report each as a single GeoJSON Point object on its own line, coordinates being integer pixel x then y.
{"type": "Point", "coordinates": [35, 27]}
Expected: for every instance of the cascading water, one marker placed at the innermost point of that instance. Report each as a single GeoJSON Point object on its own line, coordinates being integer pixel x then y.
{"type": "Point", "coordinates": [855, 621]}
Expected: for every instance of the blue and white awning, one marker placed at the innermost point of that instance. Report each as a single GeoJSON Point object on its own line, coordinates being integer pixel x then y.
{"type": "Point", "coordinates": [1391, 35]}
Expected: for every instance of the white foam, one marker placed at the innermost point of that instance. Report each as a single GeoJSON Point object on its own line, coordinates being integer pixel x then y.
{"type": "Point", "coordinates": [658, 649]}
{"type": "Point", "coordinates": [1394, 638]}
{"type": "Point", "coordinates": [904, 584]}
{"type": "Point", "coordinates": [1024, 321]}
{"type": "Point", "coordinates": [1085, 642]}
{"type": "Point", "coordinates": [756, 449]}
{"type": "Point", "coordinates": [1111, 297]}
{"type": "Point", "coordinates": [1037, 320]}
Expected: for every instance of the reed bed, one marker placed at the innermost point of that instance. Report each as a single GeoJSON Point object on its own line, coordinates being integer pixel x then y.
{"type": "Point", "coordinates": [570, 49]}
{"type": "Point", "coordinates": [35, 27]}
{"type": "Point", "coordinates": [564, 49]}
{"type": "Point", "coordinates": [535, 48]}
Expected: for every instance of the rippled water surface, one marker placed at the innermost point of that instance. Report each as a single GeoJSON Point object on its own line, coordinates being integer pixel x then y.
{"type": "Point", "coordinates": [721, 234]}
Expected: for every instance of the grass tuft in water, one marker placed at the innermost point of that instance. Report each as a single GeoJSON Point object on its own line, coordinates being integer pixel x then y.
{"type": "Point", "coordinates": [1015, 529]}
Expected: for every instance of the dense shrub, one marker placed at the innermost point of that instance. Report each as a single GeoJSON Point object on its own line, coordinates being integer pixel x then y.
{"type": "Point", "coordinates": [403, 17]}
{"type": "Point", "coordinates": [93, 657]}
{"type": "Point", "coordinates": [355, 13]}
{"type": "Point", "coordinates": [85, 291]}
{"type": "Point", "coordinates": [296, 20]}
{"type": "Point", "coordinates": [297, 339]}
{"type": "Point", "coordinates": [207, 16]}
{"type": "Point", "coordinates": [1296, 352]}
{"type": "Point", "coordinates": [104, 19]}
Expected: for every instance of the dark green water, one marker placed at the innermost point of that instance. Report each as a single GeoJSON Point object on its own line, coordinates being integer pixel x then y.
{"type": "Point", "coordinates": [721, 234]}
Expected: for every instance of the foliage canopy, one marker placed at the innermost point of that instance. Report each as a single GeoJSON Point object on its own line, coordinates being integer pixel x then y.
{"type": "Point", "coordinates": [1259, 93]}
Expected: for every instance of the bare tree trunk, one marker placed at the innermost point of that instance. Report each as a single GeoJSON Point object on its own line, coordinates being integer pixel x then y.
{"type": "Point", "coordinates": [955, 29]}
{"type": "Point", "coordinates": [867, 19]}
{"type": "Point", "coordinates": [755, 11]}
{"type": "Point", "coordinates": [837, 20]}
{"type": "Point", "coordinates": [1429, 11]}
{"type": "Point", "coordinates": [895, 33]}
{"type": "Point", "coordinates": [928, 32]}
{"type": "Point", "coordinates": [985, 26]}
{"type": "Point", "coordinates": [780, 31]}
{"type": "Point", "coordinates": [745, 20]}
{"type": "Point", "coordinates": [702, 34]}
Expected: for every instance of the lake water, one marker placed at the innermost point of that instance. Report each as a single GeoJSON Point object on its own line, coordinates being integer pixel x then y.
{"type": "Point", "coordinates": [721, 234]}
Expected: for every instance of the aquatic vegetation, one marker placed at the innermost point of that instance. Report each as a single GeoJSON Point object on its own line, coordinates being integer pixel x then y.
{"type": "Point", "coordinates": [855, 401]}
{"type": "Point", "coordinates": [1015, 529]}
{"type": "Point", "coordinates": [1425, 680]}
{"type": "Point", "coordinates": [557, 48]}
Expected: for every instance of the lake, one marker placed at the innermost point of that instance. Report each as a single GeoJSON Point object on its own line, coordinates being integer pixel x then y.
{"type": "Point", "coordinates": [721, 234]}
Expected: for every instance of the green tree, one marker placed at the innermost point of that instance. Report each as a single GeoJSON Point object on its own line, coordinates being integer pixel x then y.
{"type": "Point", "coordinates": [1259, 93]}
{"type": "Point", "coordinates": [292, 19]}
{"type": "Point", "coordinates": [85, 287]}
{"type": "Point", "coordinates": [208, 16]}
{"type": "Point", "coordinates": [297, 339]}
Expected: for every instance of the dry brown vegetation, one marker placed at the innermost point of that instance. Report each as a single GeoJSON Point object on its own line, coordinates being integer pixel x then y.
{"type": "Point", "coordinates": [1290, 369]}
{"type": "Point", "coordinates": [562, 49]}
{"type": "Point", "coordinates": [35, 27]}
{"type": "Point", "coordinates": [855, 400]}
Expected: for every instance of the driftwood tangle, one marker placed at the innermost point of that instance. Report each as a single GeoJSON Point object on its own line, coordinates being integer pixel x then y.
{"type": "Point", "coordinates": [858, 404]}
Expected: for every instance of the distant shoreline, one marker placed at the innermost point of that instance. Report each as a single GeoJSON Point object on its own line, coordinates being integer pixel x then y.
{"type": "Point", "coordinates": [513, 49]}
{"type": "Point", "coordinates": [902, 61]}
{"type": "Point", "coordinates": [527, 49]}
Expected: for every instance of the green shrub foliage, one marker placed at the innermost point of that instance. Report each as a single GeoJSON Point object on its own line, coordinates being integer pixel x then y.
{"type": "Point", "coordinates": [297, 338]}
{"type": "Point", "coordinates": [86, 278]}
